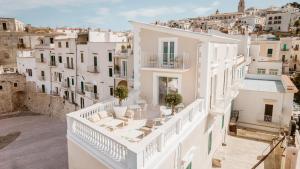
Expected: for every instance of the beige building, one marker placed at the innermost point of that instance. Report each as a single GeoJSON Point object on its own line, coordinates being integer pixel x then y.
{"type": "Point", "coordinates": [265, 56]}
{"type": "Point", "coordinates": [205, 68]}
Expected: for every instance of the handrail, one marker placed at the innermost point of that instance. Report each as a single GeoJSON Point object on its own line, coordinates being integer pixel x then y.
{"type": "Point", "coordinates": [263, 159]}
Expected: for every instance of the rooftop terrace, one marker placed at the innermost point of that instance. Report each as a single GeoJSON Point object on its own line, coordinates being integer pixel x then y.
{"type": "Point", "coordinates": [130, 141]}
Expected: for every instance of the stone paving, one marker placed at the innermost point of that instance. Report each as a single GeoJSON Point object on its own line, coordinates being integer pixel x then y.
{"type": "Point", "coordinates": [241, 153]}
{"type": "Point", "coordinates": [41, 145]}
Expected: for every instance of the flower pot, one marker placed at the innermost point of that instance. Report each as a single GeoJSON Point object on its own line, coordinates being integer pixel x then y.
{"type": "Point", "coordinates": [120, 111]}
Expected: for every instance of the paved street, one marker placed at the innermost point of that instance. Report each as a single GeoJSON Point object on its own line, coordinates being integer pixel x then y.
{"type": "Point", "coordinates": [41, 145]}
{"type": "Point", "coordinates": [241, 153]}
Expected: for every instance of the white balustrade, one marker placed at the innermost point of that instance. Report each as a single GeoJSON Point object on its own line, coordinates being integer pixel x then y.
{"type": "Point", "coordinates": [121, 152]}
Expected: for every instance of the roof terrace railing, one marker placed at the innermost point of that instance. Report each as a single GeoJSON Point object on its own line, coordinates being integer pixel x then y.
{"type": "Point", "coordinates": [120, 153]}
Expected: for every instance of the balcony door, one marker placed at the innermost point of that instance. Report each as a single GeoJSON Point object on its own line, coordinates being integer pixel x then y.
{"type": "Point", "coordinates": [167, 52]}
{"type": "Point", "coordinates": [268, 112]}
{"type": "Point", "coordinates": [124, 68]}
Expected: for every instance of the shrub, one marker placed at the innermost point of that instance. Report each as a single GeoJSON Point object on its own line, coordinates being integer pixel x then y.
{"type": "Point", "coordinates": [121, 92]}
{"type": "Point", "coordinates": [172, 100]}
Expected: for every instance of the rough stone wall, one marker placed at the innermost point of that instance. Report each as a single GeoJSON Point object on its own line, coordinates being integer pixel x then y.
{"type": "Point", "coordinates": [12, 92]}
{"type": "Point", "coordinates": [53, 106]}
{"type": "Point", "coordinates": [24, 97]}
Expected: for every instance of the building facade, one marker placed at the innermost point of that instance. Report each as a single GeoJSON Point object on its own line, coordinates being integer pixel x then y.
{"type": "Point", "coordinates": [204, 68]}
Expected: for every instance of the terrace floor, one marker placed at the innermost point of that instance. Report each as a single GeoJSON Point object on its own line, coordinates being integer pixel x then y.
{"type": "Point", "coordinates": [41, 145]}
{"type": "Point", "coordinates": [241, 153]}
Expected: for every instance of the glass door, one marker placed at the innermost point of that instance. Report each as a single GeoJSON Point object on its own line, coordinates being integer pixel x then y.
{"type": "Point", "coordinates": [124, 68]}
{"type": "Point", "coordinates": [167, 85]}
{"type": "Point", "coordinates": [168, 54]}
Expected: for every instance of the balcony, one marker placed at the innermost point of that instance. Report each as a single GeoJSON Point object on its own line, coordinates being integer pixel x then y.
{"type": "Point", "coordinates": [123, 53]}
{"type": "Point", "coordinates": [24, 53]}
{"type": "Point", "coordinates": [112, 148]}
{"type": "Point", "coordinates": [80, 92]}
{"type": "Point", "coordinates": [52, 63]}
{"type": "Point", "coordinates": [68, 66]}
{"type": "Point", "coordinates": [39, 60]}
{"type": "Point", "coordinates": [166, 61]}
{"type": "Point", "coordinates": [93, 69]}
{"type": "Point", "coordinates": [65, 85]}
{"type": "Point", "coordinates": [41, 78]}
{"type": "Point", "coordinates": [284, 49]}
{"type": "Point", "coordinates": [267, 118]}
{"type": "Point", "coordinates": [92, 95]}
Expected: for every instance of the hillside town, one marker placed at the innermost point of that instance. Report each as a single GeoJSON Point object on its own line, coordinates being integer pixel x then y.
{"type": "Point", "coordinates": [216, 91]}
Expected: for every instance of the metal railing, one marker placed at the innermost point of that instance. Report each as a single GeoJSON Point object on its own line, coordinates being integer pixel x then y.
{"type": "Point", "coordinates": [166, 61]}
{"type": "Point", "coordinates": [68, 66]}
{"type": "Point", "coordinates": [267, 118]}
{"type": "Point", "coordinates": [93, 69]}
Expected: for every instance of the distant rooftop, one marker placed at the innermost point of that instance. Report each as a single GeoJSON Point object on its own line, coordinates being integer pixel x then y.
{"type": "Point", "coordinates": [263, 85]}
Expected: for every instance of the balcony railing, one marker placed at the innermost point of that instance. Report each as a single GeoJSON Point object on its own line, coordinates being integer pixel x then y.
{"type": "Point", "coordinates": [39, 60]}
{"type": "Point", "coordinates": [93, 69]}
{"type": "Point", "coordinates": [80, 91]}
{"type": "Point", "coordinates": [68, 66]}
{"type": "Point", "coordinates": [166, 61]}
{"type": "Point", "coordinates": [124, 154]}
{"type": "Point", "coordinates": [52, 63]}
{"type": "Point", "coordinates": [267, 118]}
{"type": "Point", "coordinates": [123, 53]}
{"type": "Point", "coordinates": [65, 85]}
{"type": "Point", "coordinates": [93, 96]}
{"type": "Point", "coordinates": [284, 49]}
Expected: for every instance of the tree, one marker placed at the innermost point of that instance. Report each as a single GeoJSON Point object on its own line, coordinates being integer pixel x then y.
{"type": "Point", "coordinates": [172, 100]}
{"type": "Point", "coordinates": [121, 92]}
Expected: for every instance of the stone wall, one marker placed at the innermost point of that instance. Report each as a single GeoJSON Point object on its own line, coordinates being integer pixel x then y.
{"type": "Point", "coordinates": [17, 95]}
{"type": "Point", "coordinates": [12, 92]}
{"type": "Point", "coordinates": [54, 106]}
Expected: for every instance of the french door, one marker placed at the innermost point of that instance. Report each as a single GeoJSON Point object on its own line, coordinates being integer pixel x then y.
{"type": "Point", "coordinates": [168, 55]}
{"type": "Point", "coordinates": [167, 85]}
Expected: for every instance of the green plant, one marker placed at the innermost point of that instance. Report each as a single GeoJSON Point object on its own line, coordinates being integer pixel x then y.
{"type": "Point", "coordinates": [172, 100]}
{"type": "Point", "coordinates": [121, 92]}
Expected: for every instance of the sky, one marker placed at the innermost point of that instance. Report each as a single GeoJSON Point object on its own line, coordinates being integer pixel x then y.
{"type": "Point", "coordinates": [114, 14]}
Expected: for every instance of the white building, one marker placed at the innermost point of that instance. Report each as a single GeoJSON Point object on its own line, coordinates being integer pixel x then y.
{"type": "Point", "coordinates": [265, 102]}
{"type": "Point", "coordinates": [206, 69]}
{"type": "Point", "coordinates": [265, 58]}
{"type": "Point", "coordinates": [282, 21]}
{"type": "Point", "coordinates": [78, 65]}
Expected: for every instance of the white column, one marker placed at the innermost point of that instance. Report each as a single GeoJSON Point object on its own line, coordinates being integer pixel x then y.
{"type": "Point", "coordinates": [204, 80]}
{"type": "Point", "coordinates": [137, 59]}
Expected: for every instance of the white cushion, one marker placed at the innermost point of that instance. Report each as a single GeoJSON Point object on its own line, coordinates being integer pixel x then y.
{"type": "Point", "coordinates": [95, 118]}
{"type": "Point", "coordinates": [103, 114]}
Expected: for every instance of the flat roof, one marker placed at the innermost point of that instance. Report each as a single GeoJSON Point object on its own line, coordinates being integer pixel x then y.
{"type": "Point", "coordinates": [263, 85]}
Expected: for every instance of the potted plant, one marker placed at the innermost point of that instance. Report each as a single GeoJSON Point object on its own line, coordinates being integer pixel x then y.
{"type": "Point", "coordinates": [121, 92]}
{"type": "Point", "coordinates": [172, 100]}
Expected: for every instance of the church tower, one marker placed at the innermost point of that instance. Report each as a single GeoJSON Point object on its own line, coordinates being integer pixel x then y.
{"type": "Point", "coordinates": [241, 7]}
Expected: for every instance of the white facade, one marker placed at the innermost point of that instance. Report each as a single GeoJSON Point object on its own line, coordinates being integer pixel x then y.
{"type": "Point", "coordinates": [265, 102]}
{"type": "Point", "coordinates": [208, 80]}
{"type": "Point", "coordinates": [71, 66]}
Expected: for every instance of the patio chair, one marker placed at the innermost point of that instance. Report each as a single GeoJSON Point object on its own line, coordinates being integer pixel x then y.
{"type": "Point", "coordinates": [129, 115]}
